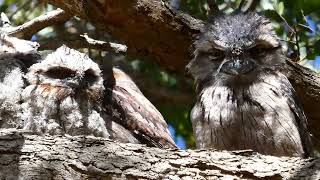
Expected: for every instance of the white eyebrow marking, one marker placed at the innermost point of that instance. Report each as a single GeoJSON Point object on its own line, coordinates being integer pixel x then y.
{"type": "Point", "coordinates": [268, 40]}
{"type": "Point", "coordinates": [208, 45]}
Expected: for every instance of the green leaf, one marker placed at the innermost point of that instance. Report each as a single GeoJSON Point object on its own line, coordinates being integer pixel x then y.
{"type": "Point", "coordinates": [280, 8]}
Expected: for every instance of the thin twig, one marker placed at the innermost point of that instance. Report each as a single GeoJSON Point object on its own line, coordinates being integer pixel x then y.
{"type": "Point", "coordinates": [83, 41]}
{"type": "Point", "coordinates": [307, 27]}
{"type": "Point", "coordinates": [285, 21]}
{"type": "Point", "coordinates": [296, 37]}
{"type": "Point", "coordinates": [306, 22]}
{"type": "Point", "coordinates": [288, 41]}
{"type": "Point", "coordinates": [294, 33]}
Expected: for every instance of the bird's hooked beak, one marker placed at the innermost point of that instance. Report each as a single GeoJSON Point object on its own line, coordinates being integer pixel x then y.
{"type": "Point", "coordinates": [237, 66]}
{"type": "Point", "coordinates": [76, 81]}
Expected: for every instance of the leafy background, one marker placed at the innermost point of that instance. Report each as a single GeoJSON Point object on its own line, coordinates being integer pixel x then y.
{"type": "Point", "coordinates": [296, 22]}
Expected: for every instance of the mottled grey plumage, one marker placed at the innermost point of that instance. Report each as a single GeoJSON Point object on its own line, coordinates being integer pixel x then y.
{"type": "Point", "coordinates": [11, 86]}
{"type": "Point", "coordinates": [128, 107]}
{"type": "Point", "coordinates": [15, 56]}
{"type": "Point", "coordinates": [244, 101]}
{"type": "Point", "coordinates": [66, 95]}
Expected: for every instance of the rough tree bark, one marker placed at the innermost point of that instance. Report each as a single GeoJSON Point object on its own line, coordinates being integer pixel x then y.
{"type": "Point", "coordinates": [35, 157]}
{"type": "Point", "coordinates": [153, 30]}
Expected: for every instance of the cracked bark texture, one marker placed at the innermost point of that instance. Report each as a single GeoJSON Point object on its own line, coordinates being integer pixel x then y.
{"type": "Point", "coordinates": [35, 157]}
{"type": "Point", "coordinates": [153, 30]}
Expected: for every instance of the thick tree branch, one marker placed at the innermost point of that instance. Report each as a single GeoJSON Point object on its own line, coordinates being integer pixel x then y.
{"type": "Point", "coordinates": [154, 30]}
{"type": "Point", "coordinates": [307, 85]}
{"type": "Point", "coordinates": [26, 30]}
{"type": "Point", "coordinates": [33, 157]}
{"type": "Point", "coordinates": [150, 28]}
